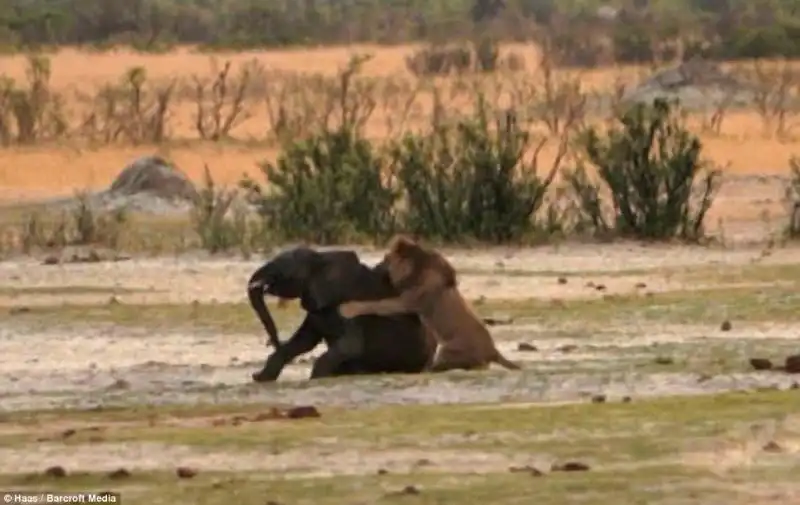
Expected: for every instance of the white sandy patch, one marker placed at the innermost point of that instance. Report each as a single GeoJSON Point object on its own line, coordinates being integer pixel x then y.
{"type": "Point", "coordinates": [188, 278]}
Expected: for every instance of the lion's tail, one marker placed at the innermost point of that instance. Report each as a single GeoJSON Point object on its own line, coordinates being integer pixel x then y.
{"type": "Point", "coordinates": [505, 362]}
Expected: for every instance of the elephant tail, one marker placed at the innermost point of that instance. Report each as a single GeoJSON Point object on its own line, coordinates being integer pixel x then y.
{"type": "Point", "coordinates": [255, 293]}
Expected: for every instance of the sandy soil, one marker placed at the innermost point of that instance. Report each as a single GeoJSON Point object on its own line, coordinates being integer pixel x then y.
{"type": "Point", "coordinates": [502, 273]}
{"type": "Point", "coordinates": [83, 365]}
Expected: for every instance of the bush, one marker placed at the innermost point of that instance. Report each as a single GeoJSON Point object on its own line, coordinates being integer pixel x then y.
{"type": "Point", "coordinates": [328, 188]}
{"type": "Point", "coordinates": [217, 230]}
{"type": "Point", "coordinates": [650, 166]}
{"type": "Point", "coordinates": [470, 180]}
{"type": "Point", "coordinates": [792, 199]}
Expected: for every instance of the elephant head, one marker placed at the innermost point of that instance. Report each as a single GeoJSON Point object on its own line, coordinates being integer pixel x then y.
{"type": "Point", "coordinates": [320, 279]}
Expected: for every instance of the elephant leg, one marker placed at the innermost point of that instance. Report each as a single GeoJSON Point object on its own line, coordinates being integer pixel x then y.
{"type": "Point", "coordinates": [342, 357]}
{"type": "Point", "coordinates": [304, 340]}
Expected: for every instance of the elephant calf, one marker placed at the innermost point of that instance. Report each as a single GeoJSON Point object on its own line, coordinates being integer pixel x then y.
{"type": "Point", "coordinates": [322, 281]}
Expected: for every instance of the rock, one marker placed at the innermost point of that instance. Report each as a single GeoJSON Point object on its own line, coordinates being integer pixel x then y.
{"type": "Point", "coordinates": [725, 326]}
{"type": "Point", "coordinates": [18, 310]}
{"type": "Point", "coordinates": [119, 473]}
{"type": "Point", "coordinates": [794, 386]}
{"type": "Point", "coordinates": [409, 490]}
{"type": "Point", "coordinates": [526, 347]}
{"type": "Point", "coordinates": [599, 399]}
{"type": "Point", "coordinates": [570, 466]}
{"type": "Point", "coordinates": [760, 364]}
{"type": "Point", "coordinates": [153, 175]}
{"type": "Point", "coordinates": [423, 462]}
{"type": "Point", "coordinates": [562, 280]}
{"type": "Point", "coordinates": [302, 412]}
{"type": "Point", "coordinates": [184, 472]}
{"type": "Point", "coordinates": [793, 364]}
{"type": "Point", "coordinates": [51, 260]}
{"type": "Point", "coordinates": [600, 287]}
{"type": "Point", "coordinates": [626, 399]}
{"type": "Point", "coordinates": [663, 360]}
{"type": "Point", "coordinates": [772, 446]}
{"type": "Point", "coordinates": [382, 471]}
{"type": "Point", "coordinates": [55, 471]}
{"type": "Point", "coordinates": [640, 285]}
{"type": "Point", "coordinates": [498, 320]}
{"type": "Point", "coordinates": [68, 433]}
{"type": "Point", "coordinates": [567, 348]}
{"type": "Point", "coordinates": [120, 384]}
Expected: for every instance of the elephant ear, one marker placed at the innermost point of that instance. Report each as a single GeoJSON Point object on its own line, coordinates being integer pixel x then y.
{"type": "Point", "coordinates": [332, 279]}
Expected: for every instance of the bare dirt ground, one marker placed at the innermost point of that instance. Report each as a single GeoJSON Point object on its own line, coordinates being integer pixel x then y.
{"type": "Point", "coordinates": [622, 321]}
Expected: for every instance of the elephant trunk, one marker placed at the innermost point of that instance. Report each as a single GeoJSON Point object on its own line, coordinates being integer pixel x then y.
{"type": "Point", "coordinates": [255, 292]}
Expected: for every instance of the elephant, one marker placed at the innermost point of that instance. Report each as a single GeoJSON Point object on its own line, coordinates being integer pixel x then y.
{"type": "Point", "coordinates": [323, 280]}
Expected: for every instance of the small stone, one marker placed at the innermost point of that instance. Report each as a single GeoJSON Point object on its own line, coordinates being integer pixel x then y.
{"type": "Point", "coordinates": [120, 384]}
{"type": "Point", "coordinates": [793, 364]}
{"type": "Point", "coordinates": [410, 490]}
{"type": "Point", "coordinates": [663, 360]}
{"type": "Point", "coordinates": [382, 471]}
{"type": "Point", "coordinates": [184, 472]}
{"type": "Point", "coordinates": [526, 347]}
{"type": "Point", "coordinates": [51, 260]}
{"type": "Point", "coordinates": [55, 471]}
{"type": "Point", "coordinates": [794, 386]}
{"type": "Point", "coordinates": [18, 310]}
{"type": "Point", "coordinates": [725, 326]}
{"type": "Point", "coordinates": [600, 287]}
{"type": "Point", "coordinates": [760, 364]}
{"type": "Point", "coordinates": [570, 466]}
{"type": "Point", "coordinates": [562, 280]}
{"type": "Point", "coordinates": [302, 412]}
{"type": "Point", "coordinates": [626, 399]}
{"type": "Point", "coordinates": [640, 285]}
{"type": "Point", "coordinates": [599, 399]}
{"type": "Point", "coordinates": [567, 348]}
{"type": "Point", "coordinates": [424, 462]}
{"type": "Point", "coordinates": [772, 446]}
{"type": "Point", "coordinates": [498, 320]}
{"type": "Point", "coordinates": [119, 473]}
{"type": "Point", "coordinates": [68, 433]}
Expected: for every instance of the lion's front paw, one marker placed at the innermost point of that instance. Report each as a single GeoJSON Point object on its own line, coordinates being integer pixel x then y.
{"type": "Point", "coordinates": [348, 310]}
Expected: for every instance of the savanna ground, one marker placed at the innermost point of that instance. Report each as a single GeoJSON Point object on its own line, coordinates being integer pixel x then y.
{"type": "Point", "coordinates": [144, 364]}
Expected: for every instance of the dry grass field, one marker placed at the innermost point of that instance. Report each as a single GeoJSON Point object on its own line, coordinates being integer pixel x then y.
{"type": "Point", "coordinates": [635, 358]}
{"type": "Point", "coordinates": [61, 167]}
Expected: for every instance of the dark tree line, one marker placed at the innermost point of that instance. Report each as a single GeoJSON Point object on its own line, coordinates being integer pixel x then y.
{"type": "Point", "coordinates": [642, 30]}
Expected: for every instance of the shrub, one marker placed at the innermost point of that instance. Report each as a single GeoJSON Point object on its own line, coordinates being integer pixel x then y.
{"type": "Point", "coordinates": [470, 180]}
{"type": "Point", "coordinates": [792, 199]}
{"type": "Point", "coordinates": [650, 166]}
{"type": "Point", "coordinates": [209, 217]}
{"type": "Point", "coordinates": [327, 188]}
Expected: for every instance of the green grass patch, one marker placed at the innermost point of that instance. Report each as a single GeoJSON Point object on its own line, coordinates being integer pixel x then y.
{"type": "Point", "coordinates": [645, 485]}
{"type": "Point", "coordinates": [744, 304]}
{"type": "Point", "coordinates": [632, 449]}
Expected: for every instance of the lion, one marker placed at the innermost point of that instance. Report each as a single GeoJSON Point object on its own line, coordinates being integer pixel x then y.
{"type": "Point", "coordinates": [427, 284]}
